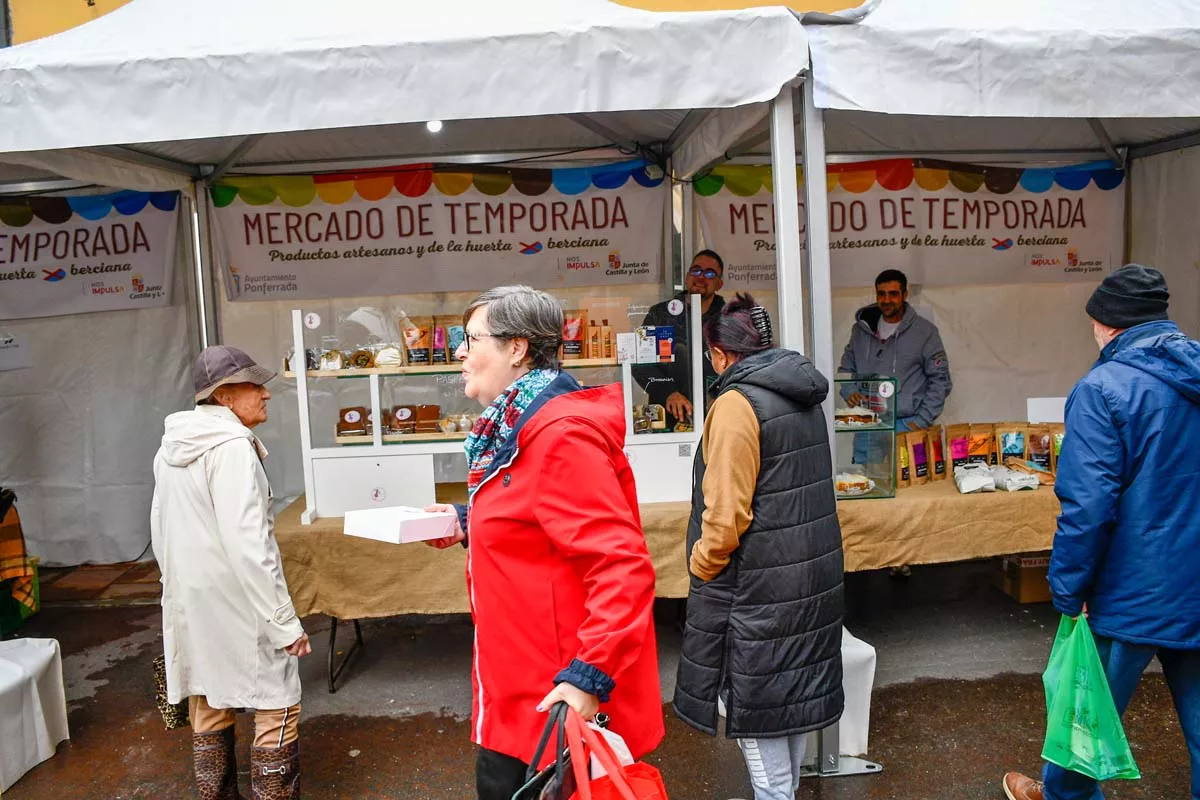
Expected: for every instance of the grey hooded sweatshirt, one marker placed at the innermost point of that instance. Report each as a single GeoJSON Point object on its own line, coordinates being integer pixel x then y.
{"type": "Point", "coordinates": [914, 355]}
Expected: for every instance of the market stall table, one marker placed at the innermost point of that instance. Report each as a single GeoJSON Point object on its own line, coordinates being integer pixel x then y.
{"type": "Point", "coordinates": [348, 578]}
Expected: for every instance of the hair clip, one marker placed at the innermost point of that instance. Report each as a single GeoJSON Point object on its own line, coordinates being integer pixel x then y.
{"type": "Point", "coordinates": [762, 323]}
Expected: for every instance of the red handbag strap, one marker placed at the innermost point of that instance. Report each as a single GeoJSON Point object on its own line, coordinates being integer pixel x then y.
{"type": "Point", "coordinates": [578, 734]}
{"type": "Point", "coordinates": [579, 757]}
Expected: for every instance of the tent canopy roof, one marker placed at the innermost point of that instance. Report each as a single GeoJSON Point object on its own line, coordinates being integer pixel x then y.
{"type": "Point", "coordinates": [189, 81]}
{"type": "Point", "coordinates": [875, 135]}
{"type": "Point", "coordinates": [1020, 59]}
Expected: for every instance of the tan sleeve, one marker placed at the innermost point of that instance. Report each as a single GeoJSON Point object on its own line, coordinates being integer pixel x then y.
{"type": "Point", "coordinates": [731, 458]}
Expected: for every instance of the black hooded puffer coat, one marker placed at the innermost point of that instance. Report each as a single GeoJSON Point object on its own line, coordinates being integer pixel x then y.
{"type": "Point", "coordinates": [766, 633]}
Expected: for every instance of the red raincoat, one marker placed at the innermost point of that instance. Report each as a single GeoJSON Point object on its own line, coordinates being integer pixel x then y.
{"type": "Point", "coordinates": [559, 575]}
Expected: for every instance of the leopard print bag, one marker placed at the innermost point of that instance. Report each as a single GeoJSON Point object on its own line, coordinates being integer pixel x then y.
{"type": "Point", "coordinates": [175, 715]}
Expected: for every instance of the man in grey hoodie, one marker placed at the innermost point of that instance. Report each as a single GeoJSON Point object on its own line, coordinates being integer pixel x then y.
{"type": "Point", "coordinates": [890, 338]}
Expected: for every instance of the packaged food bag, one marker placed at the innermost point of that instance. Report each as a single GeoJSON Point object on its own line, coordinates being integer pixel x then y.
{"type": "Point", "coordinates": [958, 442]}
{"type": "Point", "coordinates": [917, 444]}
{"type": "Point", "coordinates": [937, 453]}
{"type": "Point", "coordinates": [418, 339]}
{"type": "Point", "coordinates": [903, 472]}
{"type": "Point", "coordinates": [1058, 432]}
{"type": "Point", "coordinates": [1011, 440]}
{"type": "Point", "coordinates": [1012, 480]}
{"type": "Point", "coordinates": [981, 448]}
{"type": "Point", "coordinates": [440, 353]}
{"type": "Point", "coordinates": [1083, 729]}
{"type": "Point", "coordinates": [971, 478]}
{"type": "Point", "coordinates": [574, 333]}
{"type": "Point", "coordinates": [1045, 477]}
{"type": "Point", "coordinates": [1041, 446]}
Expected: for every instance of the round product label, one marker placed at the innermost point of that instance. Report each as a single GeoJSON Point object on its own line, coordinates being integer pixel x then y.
{"type": "Point", "coordinates": [675, 307]}
{"type": "Point", "coordinates": [312, 320]}
{"type": "Point", "coordinates": [352, 416]}
{"type": "Point", "coordinates": [886, 390]}
{"type": "Point", "coordinates": [403, 414]}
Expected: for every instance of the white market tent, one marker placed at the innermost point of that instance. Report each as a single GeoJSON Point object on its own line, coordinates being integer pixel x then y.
{"type": "Point", "coordinates": [1026, 82]}
{"type": "Point", "coordinates": [162, 76]}
{"type": "Point", "coordinates": [162, 95]}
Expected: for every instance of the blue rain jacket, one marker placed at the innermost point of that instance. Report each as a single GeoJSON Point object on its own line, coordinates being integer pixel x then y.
{"type": "Point", "coordinates": [1128, 539]}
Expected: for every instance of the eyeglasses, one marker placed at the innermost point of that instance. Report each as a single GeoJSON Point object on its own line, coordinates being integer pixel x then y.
{"type": "Point", "coordinates": [700, 272]}
{"type": "Point", "coordinates": [475, 337]}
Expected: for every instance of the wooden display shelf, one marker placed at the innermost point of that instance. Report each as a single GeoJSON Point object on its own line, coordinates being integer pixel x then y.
{"type": "Point", "coordinates": [402, 438]}
{"type": "Point", "coordinates": [437, 369]}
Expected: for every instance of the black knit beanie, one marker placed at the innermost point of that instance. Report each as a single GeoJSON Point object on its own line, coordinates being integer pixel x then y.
{"type": "Point", "coordinates": [1130, 296]}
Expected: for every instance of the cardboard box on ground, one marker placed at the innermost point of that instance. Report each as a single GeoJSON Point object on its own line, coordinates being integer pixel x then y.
{"type": "Point", "coordinates": [1023, 577]}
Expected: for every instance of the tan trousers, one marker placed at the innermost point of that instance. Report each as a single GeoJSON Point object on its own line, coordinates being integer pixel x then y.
{"type": "Point", "coordinates": [276, 727]}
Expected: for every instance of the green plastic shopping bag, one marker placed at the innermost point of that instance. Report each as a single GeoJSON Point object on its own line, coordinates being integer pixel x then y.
{"type": "Point", "coordinates": [1083, 729]}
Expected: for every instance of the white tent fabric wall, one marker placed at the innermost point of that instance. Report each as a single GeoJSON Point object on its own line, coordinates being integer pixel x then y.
{"type": "Point", "coordinates": [1005, 343]}
{"type": "Point", "coordinates": [79, 429]}
{"type": "Point", "coordinates": [1166, 194]}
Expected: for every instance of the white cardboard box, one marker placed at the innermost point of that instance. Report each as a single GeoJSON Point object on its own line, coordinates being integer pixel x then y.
{"type": "Point", "coordinates": [399, 524]}
{"type": "Point", "coordinates": [1046, 409]}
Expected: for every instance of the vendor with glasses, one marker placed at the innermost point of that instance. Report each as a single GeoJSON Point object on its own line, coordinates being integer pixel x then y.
{"type": "Point", "coordinates": [670, 385]}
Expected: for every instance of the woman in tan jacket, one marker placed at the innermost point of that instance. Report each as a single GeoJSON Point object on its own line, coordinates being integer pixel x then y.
{"type": "Point", "coordinates": [764, 615]}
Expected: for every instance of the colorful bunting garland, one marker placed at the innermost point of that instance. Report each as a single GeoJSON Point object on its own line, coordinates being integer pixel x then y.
{"type": "Point", "coordinates": [415, 180]}
{"type": "Point", "coordinates": [897, 174]}
{"type": "Point", "coordinates": [17, 212]}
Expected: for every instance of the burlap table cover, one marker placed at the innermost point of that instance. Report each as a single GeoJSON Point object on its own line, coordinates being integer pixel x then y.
{"type": "Point", "coordinates": [342, 576]}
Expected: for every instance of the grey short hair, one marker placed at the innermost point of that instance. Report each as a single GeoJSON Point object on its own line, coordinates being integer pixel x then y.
{"type": "Point", "coordinates": [522, 312]}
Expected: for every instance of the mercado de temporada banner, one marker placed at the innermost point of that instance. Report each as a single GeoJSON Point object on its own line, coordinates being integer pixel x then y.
{"type": "Point", "coordinates": [424, 229]}
{"type": "Point", "coordinates": [72, 255]}
{"type": "Point", "coordinates": [940, 222]}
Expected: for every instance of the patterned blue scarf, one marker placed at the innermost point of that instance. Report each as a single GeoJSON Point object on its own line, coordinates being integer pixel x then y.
{"type": "Point", "coordinates": [496, 423]}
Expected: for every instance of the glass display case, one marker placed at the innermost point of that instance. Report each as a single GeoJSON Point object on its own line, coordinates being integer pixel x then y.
{"type": "Point", "coordinates": [864, 427]}
{"type": "Point", "coordinates": [383, 417]}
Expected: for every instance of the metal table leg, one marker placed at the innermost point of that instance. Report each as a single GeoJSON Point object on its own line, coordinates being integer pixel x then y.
{"type": "Point", "coordinates": [831, 764]}
{"type": "Point", "coordinates": [334, 672]}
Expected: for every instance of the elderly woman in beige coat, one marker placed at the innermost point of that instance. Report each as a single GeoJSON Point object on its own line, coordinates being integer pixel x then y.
{"type": "Point", "coordinates": [230, 634]}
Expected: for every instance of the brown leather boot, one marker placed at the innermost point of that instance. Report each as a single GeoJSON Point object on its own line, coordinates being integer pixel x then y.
{"type": "Point", "coordinates": [275, 772]}
{"type": "Point", "coordinates": [1019, 787]}
{"type": "Point", "coordinates": [216, 765]}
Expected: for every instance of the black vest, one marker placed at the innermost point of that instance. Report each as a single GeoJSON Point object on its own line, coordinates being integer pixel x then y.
{"type": "Point", "coordinates": [766, 633]}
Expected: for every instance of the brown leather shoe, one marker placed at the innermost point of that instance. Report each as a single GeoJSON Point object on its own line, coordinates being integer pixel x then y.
{"type": "Point", "coordinates": [1019, 787]}
{"type": "Point", "coordinates": [216, 765]}
{"type": "Point", "coordinates": [275, 772]}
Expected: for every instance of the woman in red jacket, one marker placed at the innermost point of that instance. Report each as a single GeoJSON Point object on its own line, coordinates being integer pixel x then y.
{"type": "Point", "coordinates": [560, 580]}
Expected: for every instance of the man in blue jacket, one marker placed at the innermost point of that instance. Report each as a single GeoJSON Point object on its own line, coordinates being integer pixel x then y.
{"type": "Point", "coordinates": [1127, 549]}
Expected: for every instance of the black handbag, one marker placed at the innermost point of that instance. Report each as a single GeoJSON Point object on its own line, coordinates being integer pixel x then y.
{"type": "Point", "coordinates": [557, 781]}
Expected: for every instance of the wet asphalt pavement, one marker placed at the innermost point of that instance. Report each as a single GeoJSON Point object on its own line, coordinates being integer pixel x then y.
{"type": "Point", "coordinates": [958, 701]}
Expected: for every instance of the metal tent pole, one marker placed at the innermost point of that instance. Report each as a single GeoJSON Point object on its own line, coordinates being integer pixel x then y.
{"type": "Point", "coordinates": [789, 278]}
{"type": "Point", "coordinates": [830, 762]}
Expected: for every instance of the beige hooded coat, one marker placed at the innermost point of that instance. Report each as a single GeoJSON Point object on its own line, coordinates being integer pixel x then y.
{"type": "Point", "coordinates": [227, 614]}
